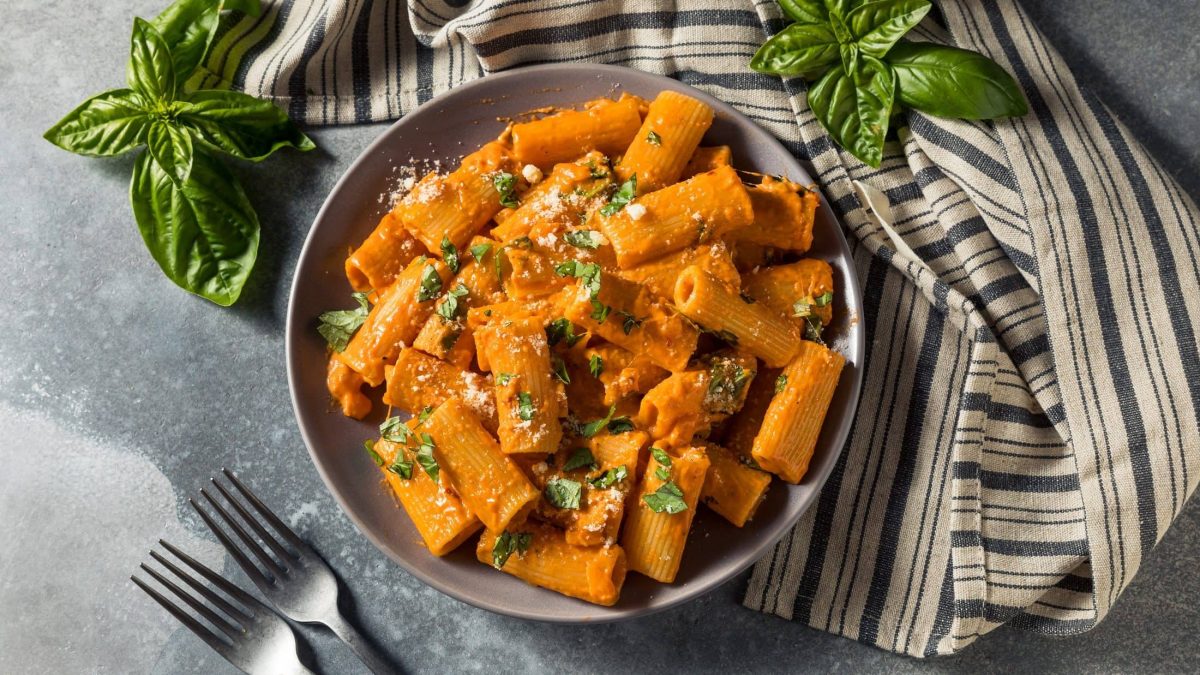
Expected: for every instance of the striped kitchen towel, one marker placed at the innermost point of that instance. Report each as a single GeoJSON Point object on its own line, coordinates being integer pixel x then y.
{"type": "Point", "coordinates": [1028, 426]}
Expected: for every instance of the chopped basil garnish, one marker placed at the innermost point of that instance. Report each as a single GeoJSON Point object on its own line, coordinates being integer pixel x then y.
{"type": "Point", "coordinates": [401, 467]}
{"type": "Point", "coordinates": [449, 306]}
{"type": "Point", "coordinates": [580, 457]}
{"type": "Point", "coordinates": [507, 544]}
{"type": "Point", "coordinates": [505, 183]}
{"type": "Point", "coordinates": [668, 497]}
{"type": "Point", "coordinates": [370, 446]}
{"type": "Point", "coordinates": [600, 312]}
{"type": "Point", "coordinates": [338, 326]}
{"type": "Point", "coordinates": [620, 425]}
{"type": "Point", "coordinates": [525, 409]}
{"type": "Point", "coordinates": [424, 414]}
{"type": "Point", "coordinates": [504, 378]}
{"type": "Point", "coordinates": [812, 329]}
{"type": "Point", "coordinates": [449, 254]}
{"type": "Point", "coordinates": [560, 330]}
{"type": "Point", "coordinates": [595, 365]}
{"type": "Point", "coordinates": [395, 430]}
{"type": "Point", "coordinates": [660, 456]}
{"type": "Point", "coordinates": [425, 457]}
{"type": "Point", "coordinates": [564, 493]}
{"type": "Point", "coordinates": [559, 369]}
{"type": "Point", "coordinates": [662, 473]}
{"type": "Point", "coordinates": [478, 251]}
{"type": "Point", "coordinates": [727, 380]}
{"type": "Point", "coordinates": [588, 272]}
{"type": "Point", "coordinates": [592, 428]}
{"type": "Point", "coordinates": [623, 196]}
{"type": "Point", "coordinates": [654, 139]}
{"type": "Point", "coordinates": [610, 477]}
{"type": "Point", "coordinates": [823, 299]}
{"type": "Point", "coordinates": [803, 307]}
{"type": "Point", "coordinates": [431, 284]}
{"type": "Point", "coordinates": [630, 322]}
{"type": "Point", "coordinates": [780, 383]}
{"type": "Point", "coordinates": [582, 239]}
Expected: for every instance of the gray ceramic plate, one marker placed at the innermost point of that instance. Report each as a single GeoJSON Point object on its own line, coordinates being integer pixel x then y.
{"type": "Point", "coordinates": [445, 128]}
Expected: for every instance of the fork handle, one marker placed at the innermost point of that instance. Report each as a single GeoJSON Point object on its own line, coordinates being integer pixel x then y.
{"type": "Point", "coordinates": [366, 652]}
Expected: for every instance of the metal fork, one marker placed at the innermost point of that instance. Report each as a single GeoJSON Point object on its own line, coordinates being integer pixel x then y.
{"type": "Point", "coordinates": [296, 580]}
{"type": "Point", "coordinates": [249, 635]}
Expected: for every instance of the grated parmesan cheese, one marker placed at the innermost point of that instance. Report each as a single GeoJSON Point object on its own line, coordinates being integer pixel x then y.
{"type": "Point", "coordinates": [635, 211]}
{"type": "Point", "coordinates": [531, 173]}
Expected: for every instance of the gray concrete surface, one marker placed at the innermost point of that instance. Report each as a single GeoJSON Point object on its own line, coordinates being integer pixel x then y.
{"type": "Point", "coordinates": [120, 394]}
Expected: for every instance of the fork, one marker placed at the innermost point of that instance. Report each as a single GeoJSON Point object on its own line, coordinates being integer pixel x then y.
{"type": "Point", "coordinates": [249, 635]}
{"type": "Point", "coordinates": [297, 581]}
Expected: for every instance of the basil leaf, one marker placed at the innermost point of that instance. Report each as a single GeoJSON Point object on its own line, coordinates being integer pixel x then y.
{"type": "Point", "coordinates": [629, 322]}
{"type": "Point", "coordinates": [107, 124]}
{"type": "Point", "coordinates": [610, 477]}
{"type": "Point", "coordinates": [561, 330]}
{"type": "Point", "coordinates": [505, 183]}
{"type": "Point", "coordinates": [662, 473]}
{"type": "Point", "coordinates": [801, 49]}
{"type": "Point", "coordinates": [812, 329]}
{"type": "Point", "coordinates": [582, 239]}
{"type": "Point", "coordinates": [339, 326]}
{"type": "Point", "coordinates": [564, 492]}
{"type": "Point", "coordinates": [781, 383]}
{"type": "Point", "coordinates": [426, 459]}
{"type": "Point", "coordinates": [559, 369]}
{"type": "Point", "coordinates": [855, 108]}
{"type": "Point", "coordinates": [592, 428]}
{"type": "Point", "coordinates": [506, 544]}
{"type": "Point", "coordinates": [878, 25]}
{"type": "Point", "coordinates": [600, 312]}
{"type": "Point", "coordinates": [823, 299]}
{"type": "Point", "coordinates": [401, 467]}
{"type": "Point", "coordinates": [395, 430]}
{"type": "Point", "coordinates": [660, 456]}
{"type": "Point", "coordinates": [525, 409]}
{"type": "Point", "coordinates": [204, 234]}
{"type": "Point", "coordinates": [370, 446]}
{"type": "Point", "coordinates": [150, 71]}
{"type": "Point", "coordinates": [620, 425]}
{"type": "Point", "coordinates": [595, 365]}
{"type": "Point", "coordinates": [805, 11]}
{"type": "Point", "coordinates": [623, 196]}
{"type": "Point", "coordinates": [431, 284]}
{"type": "Point", "coordinates": [449, 254]}
{"type": "Point", "coordinates": [580, 457]}
{"type": "Point", "coordinates": [449, 306]}
{"type": "Point", "coordinates": [171, 148]}
{"type": "Point", "coordinates": [240, 125]}
{"type": "Point", "coordinates": [951, 82]}
{"type": "Point", "coordinates": [504, 378]}
{"type": "Point", "coordinates": [668, 497]}
{"type": "Point", "coordinates": [654, 139]}
{"type": "Point", "coordinates": [478, 251]}
{"type": "Point", "coordinates": [424, 414]}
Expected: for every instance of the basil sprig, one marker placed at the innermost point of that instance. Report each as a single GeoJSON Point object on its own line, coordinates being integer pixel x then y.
{"type": "Point", "coordinates": [191, 210]}
{"type": "Point", "coordinates": [862, 72]}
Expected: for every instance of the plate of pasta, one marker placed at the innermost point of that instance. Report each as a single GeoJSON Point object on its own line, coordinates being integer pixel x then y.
{"type": "Point", "coordinates": [575, 342]}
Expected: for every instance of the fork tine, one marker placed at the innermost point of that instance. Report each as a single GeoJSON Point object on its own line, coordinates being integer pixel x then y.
{"type": "Point", "coordinates": [269, 538]}
{"type": "Point", "coordinates": [266, 513]}
{"type": "Point", "coordinates": [256, 575]}
{"type": "Point", "coordinates": [186, 619]}
{"type": "Point", "coordinates": [273, 567]}
{"type": "Point", "coordinates": [219, 581]}
{"type": "Point", "coordinates": [235, 613]}
{"type": "Point", "coordinates": [213, 618]}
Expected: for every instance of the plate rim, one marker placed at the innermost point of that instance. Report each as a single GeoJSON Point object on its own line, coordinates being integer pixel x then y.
{"type": "Point", "coordinates": [856, 345]}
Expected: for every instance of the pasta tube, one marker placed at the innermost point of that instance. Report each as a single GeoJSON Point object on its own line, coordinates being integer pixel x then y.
{"type": "Point", "coordinates": [656, 526]}
{"type": "Point", "coordinates": [395, 320]}
{"type": "Point", "coordinates": [377, 262]}
{"type": "Point", "coordinates": [707, 159]}
{"type": "Point", "coordinates": [438, 514]}
{"type": "Point", "coordinates": [668, 137]}
{"type": "Point", "coordinates": [604, 125]}
{"type": "Point", "coordinates": [594, 574]}
{"type": "Point", "coordinates": [779, 287]}
{"type": "Point", "coordinates": [698, 210]}
{"type": "Point", "coordinates": [660, 274]}
{"type": "Point", "coordinates": [345, 386]}
{"type": "Point", "coordinates": [419, 381]}
{"type": "Point", "coordinates": [454, 207]}
{"type": "Point", "coordinates": [527, 399]}
{"type": "Point", "coordinates": [783, 215]}
{"type": "Point", "coordinates": [752, 326]}
{"type": "Point", "coordinates": [792, 423]}
{"type": "Point", "coordinates": [732, 488]}
{"type": "Point", "coordinates": [489, 483]}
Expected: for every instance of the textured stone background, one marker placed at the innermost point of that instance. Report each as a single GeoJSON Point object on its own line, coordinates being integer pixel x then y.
{"type": "Point", "coordinates": [120, 394]}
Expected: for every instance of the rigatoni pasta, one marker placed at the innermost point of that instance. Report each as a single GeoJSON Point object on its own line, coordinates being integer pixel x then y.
{"type": "Point", "coordinates": [593, 324]}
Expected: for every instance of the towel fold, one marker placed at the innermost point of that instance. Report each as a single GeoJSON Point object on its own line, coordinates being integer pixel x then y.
{"type": "Point", "coordinates": [1028, 424]}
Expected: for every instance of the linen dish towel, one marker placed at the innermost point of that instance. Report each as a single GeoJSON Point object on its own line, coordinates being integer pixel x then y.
{"type": "Point", "coordinates": [1028, 424]}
